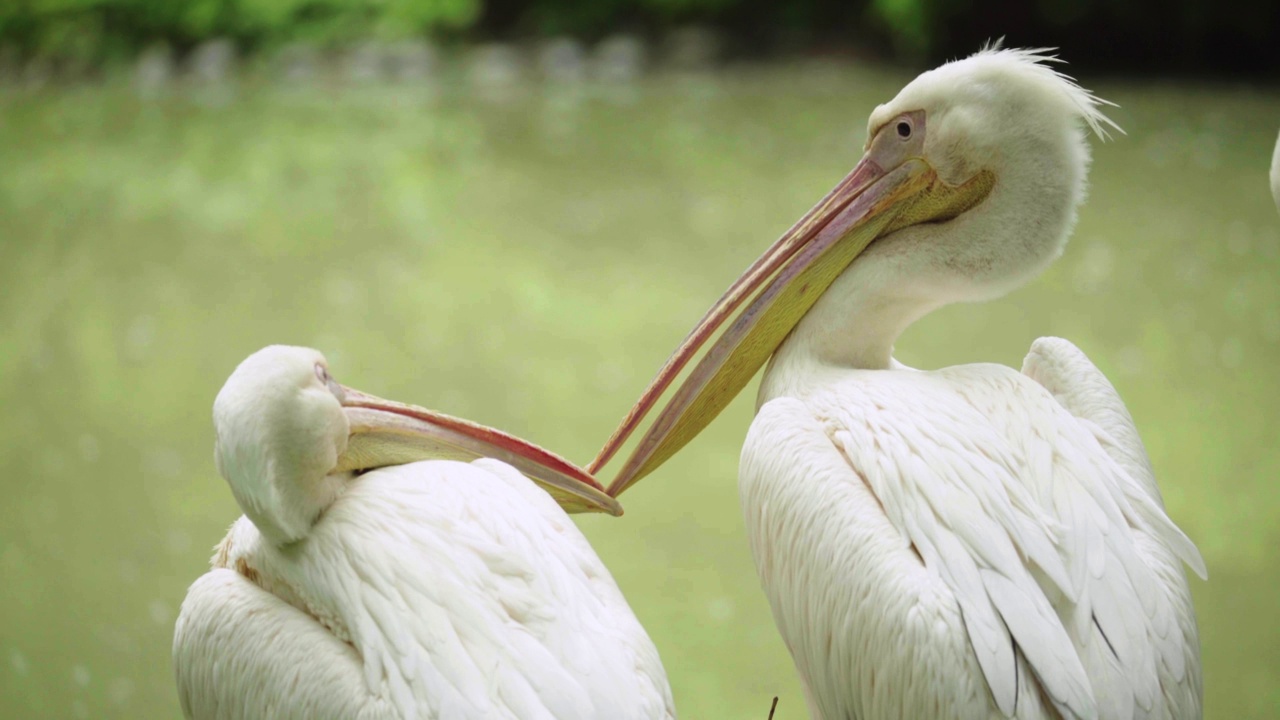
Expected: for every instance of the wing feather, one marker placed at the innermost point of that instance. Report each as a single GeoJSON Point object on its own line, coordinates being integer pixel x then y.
{"type": "Point", "coordinates": [1159, 656]}
{"type": "Point", "coordinates": [875, 631]}
{"type": "Point", "coordinates": [1040, 532]}
{"type": "Point", "coordinates": [1034, 516]}
{"type": "Point", "coordinates": [241, 652]}
{"type": "Point", "coordinates": [960, 502]}
{"type": "Point", "coordinates": [465, 591]}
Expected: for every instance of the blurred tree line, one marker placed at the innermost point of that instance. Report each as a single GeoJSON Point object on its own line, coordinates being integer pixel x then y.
{"type": "Point", "coordinates": [1181, 36]}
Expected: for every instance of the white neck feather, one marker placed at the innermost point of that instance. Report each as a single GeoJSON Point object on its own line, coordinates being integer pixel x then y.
{"type": "Point", "coordinates": [1010, 237]}
{"type": "Point", "coordinates": [288, 503]}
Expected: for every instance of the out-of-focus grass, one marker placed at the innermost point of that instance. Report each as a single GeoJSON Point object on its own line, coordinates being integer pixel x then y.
{"type": "Point", "coordinates": [527, 260]}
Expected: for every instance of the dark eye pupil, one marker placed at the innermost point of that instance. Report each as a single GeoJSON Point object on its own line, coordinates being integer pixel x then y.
{"type": "Point", "coordinates": [904, 130]}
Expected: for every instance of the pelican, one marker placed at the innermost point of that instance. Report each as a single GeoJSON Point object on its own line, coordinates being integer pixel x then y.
{"type": "Point", "coordinates": [437, 589]}
{"type": "Point", "coordinates": [970, 542]}
{"type": "Point", "coordinates": [1275, 174]}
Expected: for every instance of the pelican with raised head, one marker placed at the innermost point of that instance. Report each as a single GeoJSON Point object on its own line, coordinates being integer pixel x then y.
{"type": "Point", "coordinates": [971, 542]}
{"type": "Point", "coordinates": [437, 589]}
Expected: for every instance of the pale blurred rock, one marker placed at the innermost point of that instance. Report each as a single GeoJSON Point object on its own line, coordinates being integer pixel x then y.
{"type": "Point", "coordinates": [562, 59]}
{"type": "Point", "coordinates": [366, 63]}
{"type": "Point", "coordinates": [411, 60]}
{"type": "Point", "coordinates": [120, 691]}
{"type": "Point", "coordinates": [619, 58]}
{"type": "Point", "coordinates": [496, 66]}
{"type": "Point", "coordinates": [693, 48]}
{"type": "Point", "coordinates": [18, 662]}
{"type": "Point", "coordinates": [153, 71]}
{"type": "Point", "coordinates": [297, 62]}
{"type": "Point", "coordinates": [213, 62]}
{"type": "Point", "coordinates": [375, 61]}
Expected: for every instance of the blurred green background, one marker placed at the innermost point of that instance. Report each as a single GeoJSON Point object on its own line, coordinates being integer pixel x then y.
{"type": "Point", "coordinates": [525, 252]}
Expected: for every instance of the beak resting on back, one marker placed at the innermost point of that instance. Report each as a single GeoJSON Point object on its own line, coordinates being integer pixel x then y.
{"type": "Point", "coordinates": [384, 432]}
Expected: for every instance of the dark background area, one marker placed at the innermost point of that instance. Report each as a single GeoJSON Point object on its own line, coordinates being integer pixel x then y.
{"type": "Point", "coordinates": [1182, 37]}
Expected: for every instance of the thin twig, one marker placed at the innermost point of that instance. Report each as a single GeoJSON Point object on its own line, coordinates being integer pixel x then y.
{"type": "Point", "coordinates": [773, 707]}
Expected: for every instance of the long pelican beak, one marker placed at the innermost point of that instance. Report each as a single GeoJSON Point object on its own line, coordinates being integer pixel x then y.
{"type": "Point", "coordinates": [384, 432]}
{"type": "Point", "coordinates": [891, 187]}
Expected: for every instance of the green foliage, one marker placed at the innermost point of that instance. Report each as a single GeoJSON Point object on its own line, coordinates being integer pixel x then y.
{"type": "Point", "coordinates": [337, 20]}
{"type": "Point", "coordinates": [76, 36]}
{"type": "Point", "coordinates": [907, 21]}
{"type": "Point", "coordinates": [76, 30]}
{"type": "Point", "coordinates": [596, 17]}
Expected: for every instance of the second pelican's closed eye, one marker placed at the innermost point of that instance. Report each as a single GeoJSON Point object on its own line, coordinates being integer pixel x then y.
{"type": "Point", "coordinates": [322, 373]}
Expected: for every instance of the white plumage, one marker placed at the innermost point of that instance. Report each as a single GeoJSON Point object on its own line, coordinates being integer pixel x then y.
{"type": "Point", "coordinates": [972, 542]}
{"type": "Point", "coordinates": [436, 589]}
{"type": "Point", "coordinates": [953, 531]}
{"type": "Point", "coordinates": [1275, 174]}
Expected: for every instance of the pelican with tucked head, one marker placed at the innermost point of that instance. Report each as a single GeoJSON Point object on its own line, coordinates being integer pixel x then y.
{"type": "Point", "coordinates": [971, 542]}
{"type": "Point", "coordinates": [428, 589]}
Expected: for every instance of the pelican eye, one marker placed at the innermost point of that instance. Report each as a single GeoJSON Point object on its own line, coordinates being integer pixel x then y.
{"type": "Point", "coordinates": [904, 129]}
{"type": "Point", "coordinates": [322, 373]}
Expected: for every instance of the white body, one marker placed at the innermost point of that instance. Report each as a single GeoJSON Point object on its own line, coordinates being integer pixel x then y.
{"type": "Point", "coordinates": [903, 522]}
{"type": "Point", "coordinates": [432, 590]}
{"type": "Point", "coordinates": [972, 542]}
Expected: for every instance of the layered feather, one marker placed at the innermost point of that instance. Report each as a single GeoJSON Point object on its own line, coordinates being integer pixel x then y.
{"type": "Point", "coordinates": [1039, 530]}
{"type": "Point", "coordinates": [449, 590]}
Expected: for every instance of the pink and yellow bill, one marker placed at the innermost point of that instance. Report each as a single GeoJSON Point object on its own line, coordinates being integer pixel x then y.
{"type": "Point", "coordinates": [893, 186]}
{"type": "Point", "coordinates": [385, 432]}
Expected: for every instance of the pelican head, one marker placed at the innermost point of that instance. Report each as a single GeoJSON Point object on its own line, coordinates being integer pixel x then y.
{"type": "Point", "coordinates": [279, 429]}
{"type": "Point", "coordinates": [968, 187]}
{"type": "Point", "coordinates": [289, 438]}
{"type": "Point", "coordinates": [1004, 134]}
